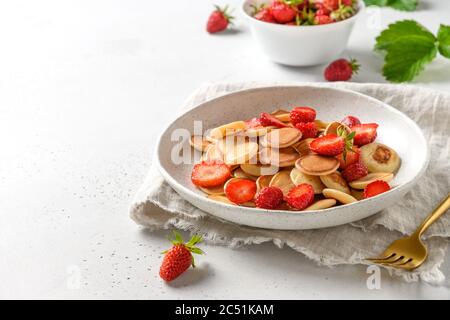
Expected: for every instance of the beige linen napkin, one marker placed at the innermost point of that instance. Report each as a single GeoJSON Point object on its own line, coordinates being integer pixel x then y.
{"type": "Point", "coordinates": [158, 206]}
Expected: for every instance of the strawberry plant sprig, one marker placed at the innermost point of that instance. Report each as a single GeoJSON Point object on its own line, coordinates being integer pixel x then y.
{"type": "Point", "coordinates": [409, 47]}
{"type": "Point", "coordinates": [348, 138]}
{"type": "Point", "coordinates": [404, 5]}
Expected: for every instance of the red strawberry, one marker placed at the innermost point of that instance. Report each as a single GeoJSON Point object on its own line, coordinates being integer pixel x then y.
{"type": "Point", "coordinates": [323, 12]}
{"type": "Point", "coordinates": [302, 114]}
{"type": "Point", "coordinates": [240, 190]}
{"type": "Point", "coordinates": [330, 4]}
{"type": "Point", "coordinates": [179, 257]}
{"type": "Point", "coordinates": [364, 133]}
{"type": "Point", "coordinates": [301, 196]}
{"type": "Point", "coordinates": [347, 3]}
{"type": "Point", "coordinates": [350, 121]}
{"type": "Point", "coordinates": [253, 123]}
{"type": "Point", "coordinates": [329, 145]}
{"type": "Point", "coordinates": [308, 129]}
{"type": "Point", "coordinates": [320, 7]}
{"type": "Point", "coordinates": [350, 158]}
{"type": "Point", "coordinates": [218, 20]}
{"type": "Point", "coordinates": [269, 198]}
{"type": "Point", "coordinates": [268, 120]}
{"type": "Point", "coordinates": [322, 19]}
{"type": "Point", "coordinates": [355, 171]}
{"type": "Point", "coordinates": [375, 188]}
{"type": "Point", "coordinates": [210, 174]}
{"type": "Point", "coordinates": [265, 15]}
{"type": "Point", "coordinates": [341, 70]}
{"type": "Point", "coordinates": [282, 12]}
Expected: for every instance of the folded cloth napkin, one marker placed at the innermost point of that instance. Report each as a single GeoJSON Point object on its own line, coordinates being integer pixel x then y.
{"type": "Point", "coordinates": [158, 206]}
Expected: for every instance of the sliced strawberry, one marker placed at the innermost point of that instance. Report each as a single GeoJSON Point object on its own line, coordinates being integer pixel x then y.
{"type": "Point", "coordinates": [351, 157]}
{"type": "Point", "coordinates": [355, 171]}
{"type": "Point", "coordinates": [240, 190]}
{"type": "Point", "coordinates": [308, 129]}
{"type": "Point", "coordinates": [269, 198]}
{"type": "Point", "coordinates": [329, 145]}
{"type": "Point", "coordinates": [253, 123]}
{"type": "Point", "coordinates": [302, 114]}
{"type": "Point", "coordinates": [210, 174]}
{"type": "Point", "coordinates": [364, 133]}
{"type": "Point", "coordinates": [301, 196]}
{"type": "Point", "coordinates": [375, 188]}
{"type": "Point", "coordinates": [268, 120]}
{"type": "Point", "coordinates": [350, 121]}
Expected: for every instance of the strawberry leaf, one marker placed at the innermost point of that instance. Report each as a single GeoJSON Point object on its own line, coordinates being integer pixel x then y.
{"type": "Point", "coordinates": [404, 5]}
{"type": "Point", "coordinates": [444, 40]}
{"type": "Point", "coordinates": [404, 29]}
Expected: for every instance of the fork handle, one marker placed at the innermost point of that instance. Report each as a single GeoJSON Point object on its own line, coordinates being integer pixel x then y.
{"type": "Point", "coordinates": [439, 211]}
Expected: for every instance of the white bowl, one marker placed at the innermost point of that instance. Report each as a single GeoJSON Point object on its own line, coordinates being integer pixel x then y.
{"type": "Point", "coordinates": [300, 45]}
{"type": "Point", "coordinates": [396, 130]}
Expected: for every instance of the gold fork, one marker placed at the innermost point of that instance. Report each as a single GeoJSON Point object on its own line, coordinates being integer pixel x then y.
{"type": "Point", "coordinates": [410, 252]}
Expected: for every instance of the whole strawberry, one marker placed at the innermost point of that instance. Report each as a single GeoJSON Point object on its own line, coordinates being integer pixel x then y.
{"type": "Point", "coordinates": [283, 12]}
{"type": "Point", "coordinates": [218, 20]}
{"type": "Point", "coordinates": [179, 258]}
{"type": "Point", "coordinates": [341, 70]}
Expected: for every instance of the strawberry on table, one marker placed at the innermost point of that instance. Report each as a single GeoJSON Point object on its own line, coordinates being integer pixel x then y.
{"type": "Point", "coordinates": [179, 257]}
{"type": "Point", "coordinates": [269, 198]}
{"type": "Point", "coordinates": [301, 196]}
{"type": "Point", "coordinates": [341, 70]}
{"type": "Point", "coordinates": [302, 114]}
{"type": "Point", "coordinates": [364, 133]}
{"type": "Point", "coordinates": [219, 20]}
{"type": "Point", "coordinates": [328, 145]}
{"type": "Point", "coordinates": [268, 120]}
{"type": "Point", "coordinates": [210, 174]}
{"type": "Point", "coordinates": [375, 188]}
{"type": "Point", "coordinates": [308, 129]}
{"type": "Point", "coordinates": [240, 190]}
{"type": "Point", "coordinates": [282, 12]}
{"type": "Point", "coordinates": [350, 121]}
{"type": "Point", "coordinates": [355, 171]}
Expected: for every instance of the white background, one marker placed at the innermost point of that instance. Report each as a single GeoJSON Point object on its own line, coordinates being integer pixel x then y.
{"type": "Point", "coordinates": [85, 87]}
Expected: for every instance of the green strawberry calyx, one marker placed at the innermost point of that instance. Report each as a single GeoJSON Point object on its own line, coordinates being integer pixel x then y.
{"type": "Point", "coordinates": [177, 240]}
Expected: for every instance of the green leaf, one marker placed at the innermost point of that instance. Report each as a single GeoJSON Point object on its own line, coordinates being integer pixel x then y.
{"type": "Point", "coordinates": [402, 30]}
{"type": "Point", "coordinates": [407, 57]}
{"type": "Point", "coordinates": [405, 5]}
{"type": "Point", "coordinates": [444, 40]}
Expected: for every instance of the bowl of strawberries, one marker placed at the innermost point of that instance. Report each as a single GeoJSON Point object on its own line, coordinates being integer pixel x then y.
{"type": "Point", "coordinates": [302, 32]}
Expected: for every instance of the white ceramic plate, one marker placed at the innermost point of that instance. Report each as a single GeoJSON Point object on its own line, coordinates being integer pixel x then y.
{"type": "Point", "coordinates": [396, 130]}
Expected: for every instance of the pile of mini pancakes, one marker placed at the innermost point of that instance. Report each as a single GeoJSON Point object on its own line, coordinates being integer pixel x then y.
{"type": "Point", "coordinates": [279, 157]}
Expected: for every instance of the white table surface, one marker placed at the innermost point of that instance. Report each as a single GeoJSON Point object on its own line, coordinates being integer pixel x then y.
{"type": "Point", "coordinates": [85, 87]}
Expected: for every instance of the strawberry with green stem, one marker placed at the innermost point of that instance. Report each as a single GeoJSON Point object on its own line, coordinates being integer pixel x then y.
{"type": "Point", "coordinates": [179, 257]}
{"type": "Point", "coordinates": [219, 20]}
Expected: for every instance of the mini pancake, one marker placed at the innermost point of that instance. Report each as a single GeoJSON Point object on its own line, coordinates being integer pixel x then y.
{"type": "Point", "coordinates": [220, 198]}
{"type": "Point", "coordinates": [283, 181]}
{"type": "Point", "coordinates": [258, 131]}
{"type": "Point", "coordinates": [299, 177]}
{"type": "Point", "coordinates": [199, 143]}
{"type": "Point", "coordinates": [371, 177]}
{"type": "Point", "coordinates": [219, 190]}
{"type": "Point", "coordinates": [225, 130]}
{"type": "Point", "coordinates": [249, 204]}
{"type": "Point", "coordinates": [282, 115]}
{"type": "Point", "coordinates": [321, 204]}
{"type": "Point", "coordinates": [340, 196]}
{"type": "Point", "coordinates": [332, 128]}
{"type": "Point", "coordinates": [321, 125]}
{"type": "Point", "coordinates": [281, 138]}
{"type": "Point", "coordinates": [380, 158]}
{"type": "Point", "coordinates": [302, 147]}
{"type": "Point", "coordinates": [335, 181]}
{"type": "Point", "coordinates": [237, 149]}
{"type": "Point", "coordinates": [239, 173]}
{"type": "Point", "coordinates": [357, 194]}
{"type": "Point", "coordinates": [285, 157]}
{"type": "Point", "coordinates": [212, 153]}
{"type": "Point", "coordinates": [316, 165]}
{"type": "Point", "coordinates": [259, 169]}
{"type": "Point", "coordinates": [262, 182]}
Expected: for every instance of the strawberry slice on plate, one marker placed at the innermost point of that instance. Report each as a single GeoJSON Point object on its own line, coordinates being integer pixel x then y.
{"type": "Point", "coordinates": [210, 174]}
{"type": "Point", "coordinates": [253, 123]}
{"type": "Point", "coordinates": [364, 133]}
{"type": "Point", "coordinates": [240, 190]}
{"type": "Point", "coordinates": [351, 157]}
{"type": "Point", "coordinates": [301, 196]}
{"type": "Point", "coordinates": [375, 188]}
{"type": "Point", "coordinates": [268, 120]}
{"type": "Point", "coordinates": [302, 114]}
{"type": "Point", "coordinates": [328, 145]}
